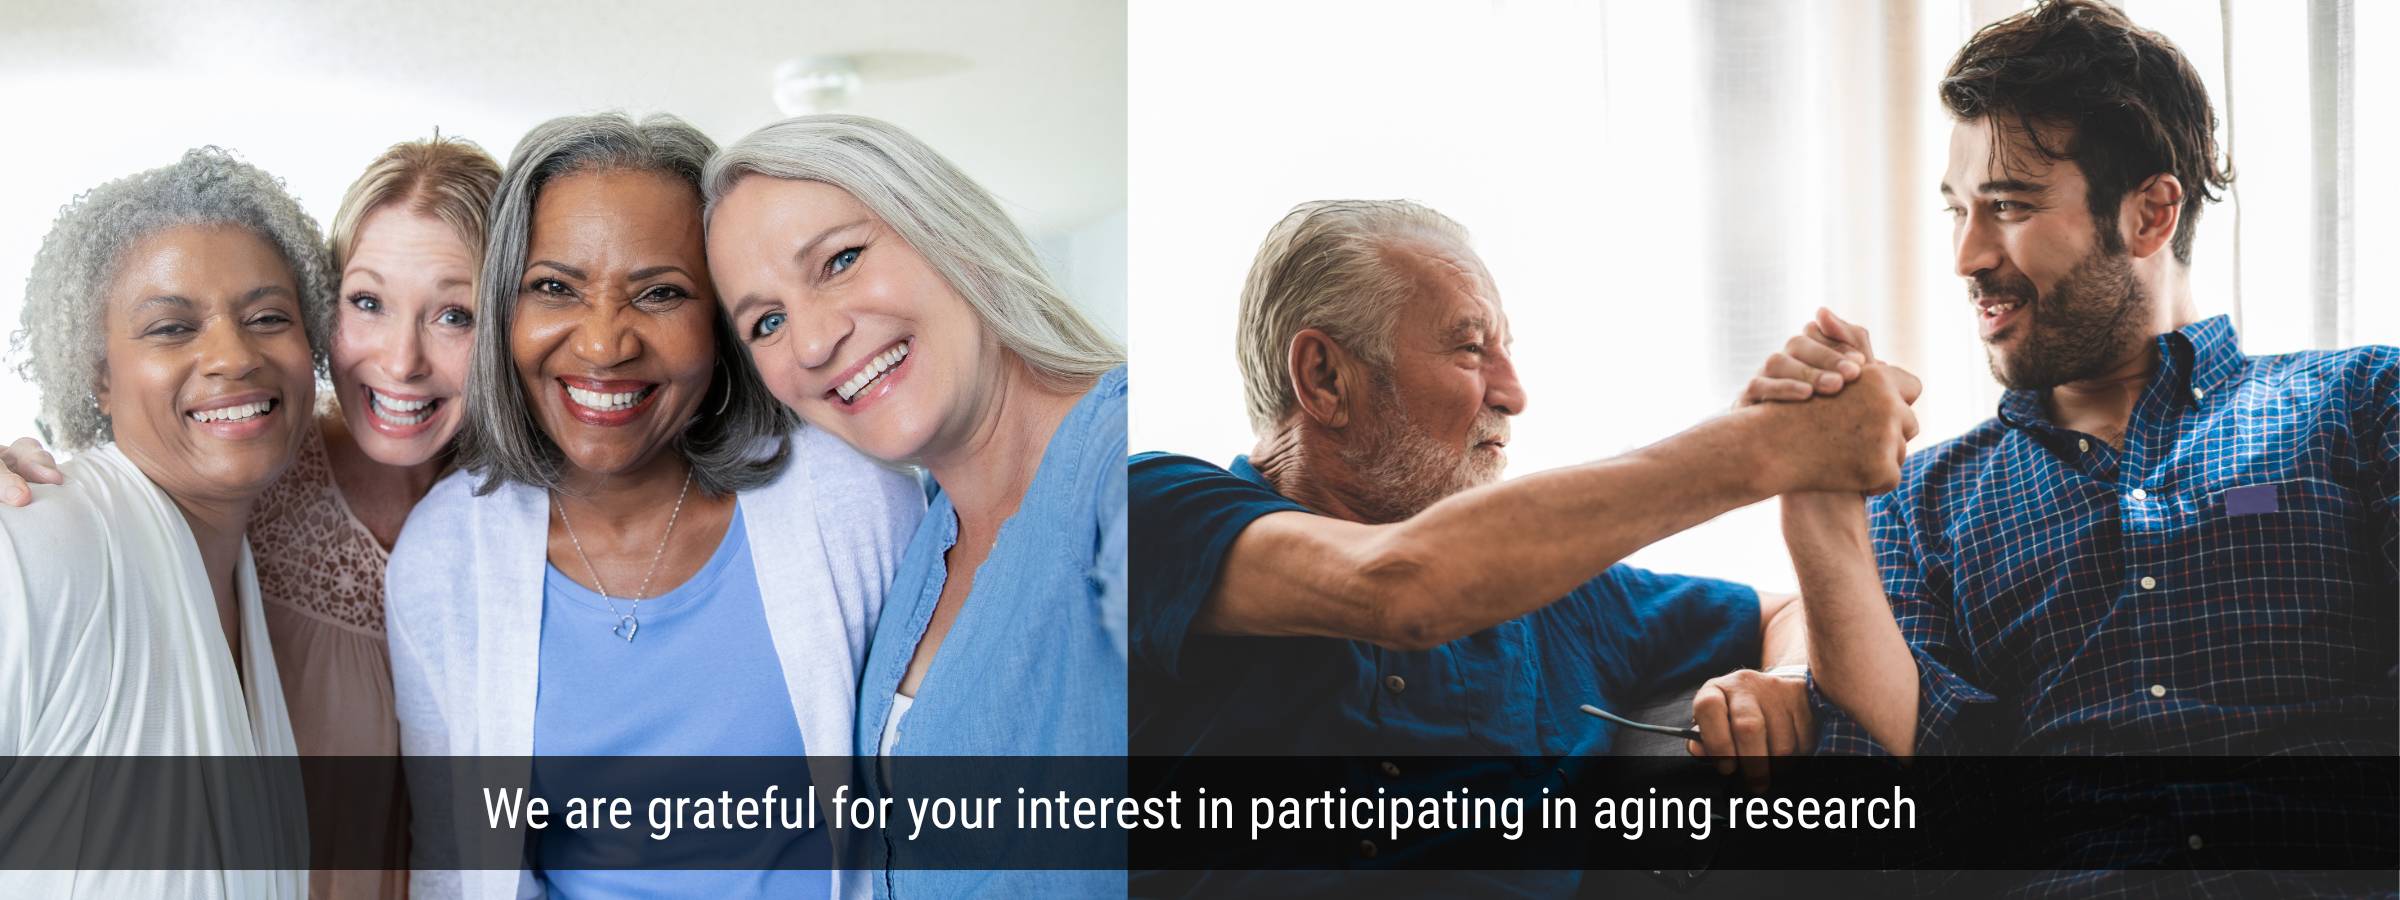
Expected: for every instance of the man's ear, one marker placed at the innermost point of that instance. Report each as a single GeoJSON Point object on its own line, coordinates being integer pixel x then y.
{"type": "Point", "coordinates": [100, 390]}
{"type": "Point", "coordinates": [1323, 377]}
{"type": "Point", "coordinates": [2149, 214]}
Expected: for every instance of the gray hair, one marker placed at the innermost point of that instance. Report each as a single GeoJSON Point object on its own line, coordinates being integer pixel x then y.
{"type": "Point", "coordinates": [1327, 266]}
{"type": "Point", "coordinates": [503, 442]}
{"type": "Point", "coordinates": [950, 220]}
{"type": "Point", "coordinates": [63, 338]}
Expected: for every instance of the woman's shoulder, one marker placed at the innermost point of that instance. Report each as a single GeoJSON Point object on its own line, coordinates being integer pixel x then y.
{"type": "Point", "coordinates": [835, 473]}
{"type": "Point", "coordinates": [851, 500]}
{"type": "Point", "coordinates": [66, 524]}
{"type": "Point", "coordinates": [451, 523]}
{"type": "Point", "coordinates": [1093, 438]}
{"type": "Point", "coordinates": [60, 545]}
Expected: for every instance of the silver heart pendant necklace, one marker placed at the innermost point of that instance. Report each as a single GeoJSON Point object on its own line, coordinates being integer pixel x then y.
{"type": "Point", "coordinates": [629, 622]}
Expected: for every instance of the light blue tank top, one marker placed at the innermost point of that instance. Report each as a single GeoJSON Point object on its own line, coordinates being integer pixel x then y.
{"type": "Point", "coordinates": [700, 678]}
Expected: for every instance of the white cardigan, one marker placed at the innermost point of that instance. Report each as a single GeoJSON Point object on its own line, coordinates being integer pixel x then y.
{"type": "Point", "coordinates": [463, 612]}
{"type": "Point", "coordinates": [110, 645]}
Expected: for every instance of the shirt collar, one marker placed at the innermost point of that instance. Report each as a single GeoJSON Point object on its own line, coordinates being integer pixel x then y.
{"type": "Point", "coordinates": [2216, 351]}
{"type": "Point", "coordinates": [1242, 469]}
{"type": "Point", "coordinates": [2202, 356]}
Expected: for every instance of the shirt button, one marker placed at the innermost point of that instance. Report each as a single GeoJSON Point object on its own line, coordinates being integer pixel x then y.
{"type": "Point", "coordinates": [2158, 690]}
{"type": "Point", "coordinates": [2194, 841]}
{"type": "Point", "coordinates": [2197, 394]}
{"type": "Point", "coordinates": [1391, 769]}
{"type": "Point", "coordinates": [1395, 683]}
{"type": "Point", "coordinates": [2083, 445]}
{"type": "Point", "coordinates": [2139, 494]}
{"type": "Point", "coordinates": [2149, 582]}
{"type": "Point", "coordinates": [1366, 849]}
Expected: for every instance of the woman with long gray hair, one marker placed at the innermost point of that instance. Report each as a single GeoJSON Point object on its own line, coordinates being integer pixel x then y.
{"type": "Point", "coordinates": [886, 298]}
{"type": "Point", "coordinates": [641, 555]}
{"type": "Point", "coordinates": [173, 324]}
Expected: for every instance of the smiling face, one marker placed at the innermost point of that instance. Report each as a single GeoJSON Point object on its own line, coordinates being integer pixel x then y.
{"type": "Point", "coordinates": [847, 324]}
{"type": "Point", "coordinates": [1436, 423]}
{"type": "Point", "coordinates": [612, 329]}
{"type": "Point", "coordinates": [2055, 295]}
{"type": "Point", "coordinates": [401, 335]}
{"type": "Point", "coordinates": [208, 378]}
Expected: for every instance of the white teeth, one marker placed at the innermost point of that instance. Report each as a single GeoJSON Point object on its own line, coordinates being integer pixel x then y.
{"type": "Point", "coordinates": [1997, 310]}
{"type": "Point", "coordinates": [400, 412]}
{"type": "Point", "coordinates": [234, 413]}
{"type": "Point", "coordinates": [883, 362]}
{"type": "Point", "coordinates": [606, 402]}
{"type": "Point", "coordinates": [396, 404]}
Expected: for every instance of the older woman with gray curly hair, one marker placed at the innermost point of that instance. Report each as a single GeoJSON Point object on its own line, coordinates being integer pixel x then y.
{"type": "Point", "coordinates": [642, 555]}
{"type": "Point", "coordinates": [406, 243]}
{"type": "Point", "coordinates": [171, 322]}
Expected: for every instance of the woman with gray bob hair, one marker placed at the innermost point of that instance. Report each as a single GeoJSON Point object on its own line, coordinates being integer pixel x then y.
{"type": "Point", "coordinates": [641, 556]}
{"type": "Point", "coordinates": [505, 442]}
{"type": "Point", "coordinates": [886, 298]}
{"type": "Point", "coordinates": [172, 322]}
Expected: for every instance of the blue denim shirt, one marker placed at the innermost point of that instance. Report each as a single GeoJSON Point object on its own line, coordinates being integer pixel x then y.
{"type": "Point", "coordinates": [1035, 663]}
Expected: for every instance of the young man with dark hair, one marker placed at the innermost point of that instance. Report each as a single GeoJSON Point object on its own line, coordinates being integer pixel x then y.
{"type": "Point", "coordinates": [2160, 545]}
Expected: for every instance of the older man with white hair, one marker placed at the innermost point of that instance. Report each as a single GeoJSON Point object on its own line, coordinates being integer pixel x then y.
{"type": "Point", "coordinates": [1362, 583]}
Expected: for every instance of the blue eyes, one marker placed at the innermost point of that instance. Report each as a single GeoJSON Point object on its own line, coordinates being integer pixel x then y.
{"type": "Point", "coordinates": [767, 324]}
{"type": "Point", "coordinates": [452, 316]}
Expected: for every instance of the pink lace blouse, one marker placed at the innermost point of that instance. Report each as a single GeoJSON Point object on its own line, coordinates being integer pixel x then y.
{"type": "Point", "coordinates": [320, 573]}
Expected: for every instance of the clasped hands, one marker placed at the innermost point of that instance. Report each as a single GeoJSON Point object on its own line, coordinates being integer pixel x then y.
{"type": "Point", "coordinates": [1851, 423]}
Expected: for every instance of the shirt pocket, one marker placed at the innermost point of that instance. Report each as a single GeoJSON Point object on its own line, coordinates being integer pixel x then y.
{"type": "Point", "coordinates": [2280, 608]}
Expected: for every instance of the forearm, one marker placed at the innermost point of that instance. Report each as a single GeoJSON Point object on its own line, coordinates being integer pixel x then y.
{"type": "Point", "coordinates": [1783, 633]}
{"type": "Point", "coordinates": [1487, 555]}
{"type": "Point", "coordinates": [1856, 652]}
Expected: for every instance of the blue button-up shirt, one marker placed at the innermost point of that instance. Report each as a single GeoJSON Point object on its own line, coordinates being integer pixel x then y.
{"type": "Point", "coordinates": [2222, 584]}
{"type": "Point", "coordinates": [1035, 663]}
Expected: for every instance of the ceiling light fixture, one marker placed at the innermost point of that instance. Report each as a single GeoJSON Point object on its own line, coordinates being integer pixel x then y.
{"type": "Point", "coordinates": [815, 84]}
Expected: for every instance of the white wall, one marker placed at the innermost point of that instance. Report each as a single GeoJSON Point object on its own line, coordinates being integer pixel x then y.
{"type": "Point", "coordinates": [1088, 263]}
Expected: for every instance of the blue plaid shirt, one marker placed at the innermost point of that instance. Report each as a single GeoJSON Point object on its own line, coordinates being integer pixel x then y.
{"type": "Point", "coordinates": [2222, 584]}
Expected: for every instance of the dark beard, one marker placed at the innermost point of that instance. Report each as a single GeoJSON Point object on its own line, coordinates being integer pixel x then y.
{"type": "Point", "coordinates": [2077, 331]}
